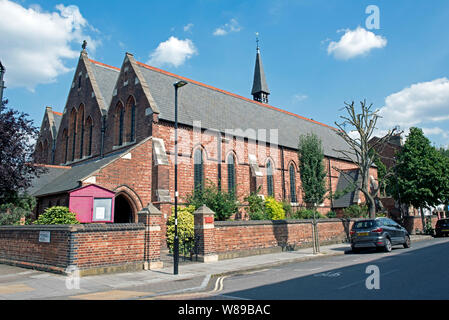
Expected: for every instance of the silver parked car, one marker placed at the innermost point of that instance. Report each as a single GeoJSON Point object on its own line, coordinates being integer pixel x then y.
{"type": "Point", "coordinates": [379, 233]}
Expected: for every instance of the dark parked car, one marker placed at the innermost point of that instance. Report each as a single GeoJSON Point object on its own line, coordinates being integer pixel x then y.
{"type": "Point", "coordinates": [379, 233]}
{"type": "Point", "coordinates": [442, 228]}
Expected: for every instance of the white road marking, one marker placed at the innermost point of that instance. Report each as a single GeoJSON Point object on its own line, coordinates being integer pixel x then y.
{"type": "Point", "coordinates": [363, 280]}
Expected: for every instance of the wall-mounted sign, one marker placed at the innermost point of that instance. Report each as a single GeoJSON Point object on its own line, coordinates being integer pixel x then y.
{"type": "Point", "coordinates": [44, 236]}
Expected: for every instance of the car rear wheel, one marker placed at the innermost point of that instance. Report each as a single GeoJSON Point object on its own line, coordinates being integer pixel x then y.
{"type": "Point", "coordinates": [407, 242]}
{"type": "Point", "coordinates": [387, 247]}
{"type": "Point", "coordinates": [355, 250]}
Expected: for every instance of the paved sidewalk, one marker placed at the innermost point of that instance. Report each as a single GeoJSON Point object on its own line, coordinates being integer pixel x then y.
{"type": "Point", "coordinates": [19, 283]}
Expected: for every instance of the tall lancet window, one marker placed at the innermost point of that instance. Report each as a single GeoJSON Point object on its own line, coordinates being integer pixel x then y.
{"type": "Point", "coordinates": [231, 173]}
{"type": "Point", "coordinates": [270, 183]}
{"type": "Point", "coordinates": [292, 183]}
{"type": "Point", "coordinates": [198, 169]}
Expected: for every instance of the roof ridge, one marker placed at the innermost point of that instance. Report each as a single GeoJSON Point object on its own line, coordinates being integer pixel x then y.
{"type": "Point", "coordinates": [51, 166]}
{"type": "Point", "coordinates": [231, 94]}
{"type": "Point", "coordinates": [104, 65]}
{"type": "Point", "coordinates": [217, 89]}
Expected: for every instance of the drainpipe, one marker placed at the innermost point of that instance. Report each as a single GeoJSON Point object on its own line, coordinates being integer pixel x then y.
{"type": "Point", "coordinates": [330, 183]}
{"type": "Point", "coordinates": [53, 149]}
{"type": "Point", "coordinates": [103, 129]}
{"type": "Point", "coordinates": [283, 173]}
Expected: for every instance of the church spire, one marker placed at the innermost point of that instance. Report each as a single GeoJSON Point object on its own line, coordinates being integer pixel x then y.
{"type": "Point", "coordinates": [260, 90]}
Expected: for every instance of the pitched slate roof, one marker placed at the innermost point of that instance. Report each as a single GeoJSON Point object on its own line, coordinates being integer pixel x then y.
{"type": "Point", "coordinates": [51, 173]}
{"type": "Point", "coordinates": [345, 181]}
{"type": "Point", "coordinates": [106, 77]}
{"type": "Point", "coordinates": [57, 117]}
{"type": "Point", "coordinates": [57, 181]}
{"type": "Point", "coordinates": [221, 110]}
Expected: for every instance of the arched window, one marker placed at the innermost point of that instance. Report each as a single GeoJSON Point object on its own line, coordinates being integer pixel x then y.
{"type": "Point", "coordinates": [270, 183]}
{"type": "Point", "coordinates": [45, 152]}
{"type": "Point", "coordinates": [130, 120]}
{"type": "Point", "coordinates": [231, 173]}
{"type": "Point", "coordinates": [119, 123]}
{"type": "Point", "coordinates": [89, 136]}
{"type": "Point", "coordinates": [198, 169]}
{"type": "Point", "coordinates": [81, 129]}
{"type": "Point", "coordinates": [65, 138]}
{"type": "Point", "coordinates": [292, 183]}
{"type": "Point", "coordinates": [72, 130]}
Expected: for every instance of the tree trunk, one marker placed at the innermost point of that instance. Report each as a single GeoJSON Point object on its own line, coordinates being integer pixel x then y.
{"type": "Point", "coordinates": [369, 200]}
{"type": "Point", "coordinates": [422, 219]}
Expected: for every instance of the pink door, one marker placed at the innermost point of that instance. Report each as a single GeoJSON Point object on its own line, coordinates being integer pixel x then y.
{"type": "Point", "coordinates": [82, 206]}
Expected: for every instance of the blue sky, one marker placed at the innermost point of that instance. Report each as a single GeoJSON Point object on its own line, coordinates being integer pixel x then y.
{"type": "Point", "coordinates": [317, 54]}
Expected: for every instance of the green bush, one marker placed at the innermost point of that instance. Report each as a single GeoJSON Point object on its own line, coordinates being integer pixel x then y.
{"type": "Point", "coordinates": [274, 209]}
{"type": "Point", "coordinates": [287, 208]}
{"type": "Point", "coordinates": [223, 204]}
{"type": "Point", "coordinates": [331, 214]}
{"type": "Point", "coordinates": [185, 227]}
{"type": "Point", "coordinates": [256, 207]}
{"type": "Point", "coordinates": [355, 211]}
{"type": "Point", "coordinates": [307, 214]}
{"type": "Point", "coordinates": [57, 215]}
{"type": "Point", "coordinates": [11, 213]}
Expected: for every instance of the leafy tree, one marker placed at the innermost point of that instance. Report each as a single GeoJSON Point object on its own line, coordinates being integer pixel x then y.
{"type": "Point", "coordinates": [361, 152]}
{"type": "Point", "coordinates": [421, 176]}
{"type": "Point", "coordinates": [311, 168]}
{"type": "Point", "coordinates": [17, 134]}
{"type": "Point", "coordinates": [312, 174]}
{"type": "Point", "coordinates": [12, 212]}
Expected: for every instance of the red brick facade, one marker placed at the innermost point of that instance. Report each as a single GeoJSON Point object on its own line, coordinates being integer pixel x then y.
{"type": "Point", "coordinates": [132, 119]}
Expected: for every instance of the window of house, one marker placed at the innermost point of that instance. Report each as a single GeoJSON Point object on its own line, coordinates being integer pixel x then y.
{"type": "Point", "coordinates": [292, 183]}
{"type": "Point", "coordinates": [270, 183]}
{"type": "Point", "coordinates": [133, 122]}
{"type": "Point", "coordinates": [198, 169]}
{"type": "Point", "coordinates": [231, 173]}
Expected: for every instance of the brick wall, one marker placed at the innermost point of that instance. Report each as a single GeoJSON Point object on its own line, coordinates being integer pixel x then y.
{"type": "Point", "coordinates": [93, 248]}
{"type": "Point", "coordinates": [241, 238]}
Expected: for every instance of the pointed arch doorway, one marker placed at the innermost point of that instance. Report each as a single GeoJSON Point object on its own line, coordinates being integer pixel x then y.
{"type": "Point", "coordinates": [124, 209]}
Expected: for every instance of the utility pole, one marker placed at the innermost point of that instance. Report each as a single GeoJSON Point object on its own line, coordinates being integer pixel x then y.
{"type": "Point", "coordinates": [2, 83]}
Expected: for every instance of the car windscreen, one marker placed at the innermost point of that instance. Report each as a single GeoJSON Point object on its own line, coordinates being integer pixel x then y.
{"type": "Point", "coordinates": [364, 224]}
{"type": "Point", "coordinates": [443, 222]}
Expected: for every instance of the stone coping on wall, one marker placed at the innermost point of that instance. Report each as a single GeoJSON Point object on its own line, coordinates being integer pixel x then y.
{"type": "Point", "coordinates": [91, 227]}
{"type": "Point", "coordinates": [235, 223]}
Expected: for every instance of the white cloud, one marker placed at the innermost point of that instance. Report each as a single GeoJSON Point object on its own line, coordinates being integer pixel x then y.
{"type": "Point", "coordinates": [188, 27]}
{"type": "Point", "coordinates": [34, 44]}
{"type": "Point", "coordinates": [423, 104]}
{"type": "Point", "coordinates": [172, 52]}
{"type": "Point", "coordinates": [231, 26]}
{"type": "Point", "coordinates": [299, 97]}
{"type": "Point", "coordinates": [355, 43]}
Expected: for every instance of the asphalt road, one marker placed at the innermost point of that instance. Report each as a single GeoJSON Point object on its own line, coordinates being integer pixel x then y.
{"type": "Point", "coordinates": [420, 272]}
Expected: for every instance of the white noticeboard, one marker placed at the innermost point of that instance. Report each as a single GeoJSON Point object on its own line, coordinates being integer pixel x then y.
{"type": "Point", "coordinates": [99, 213]}
{"type": "Point", "coordinates": [44, 236]}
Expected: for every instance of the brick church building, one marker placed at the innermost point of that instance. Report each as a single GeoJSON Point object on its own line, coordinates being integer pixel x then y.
{"type": "Point", "coordinates": [117, 132]}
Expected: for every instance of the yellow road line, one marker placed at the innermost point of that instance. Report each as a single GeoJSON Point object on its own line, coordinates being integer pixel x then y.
{"type": "Point", "coordinates": [111, 295]}
{"type": "Point", "coordinates": [15, 288]}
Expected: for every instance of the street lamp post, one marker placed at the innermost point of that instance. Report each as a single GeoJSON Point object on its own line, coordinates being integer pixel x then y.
{"type": "Point", "coordinates": [177, 85]}
{"type": "Point", "coordinates": [2, 83]}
